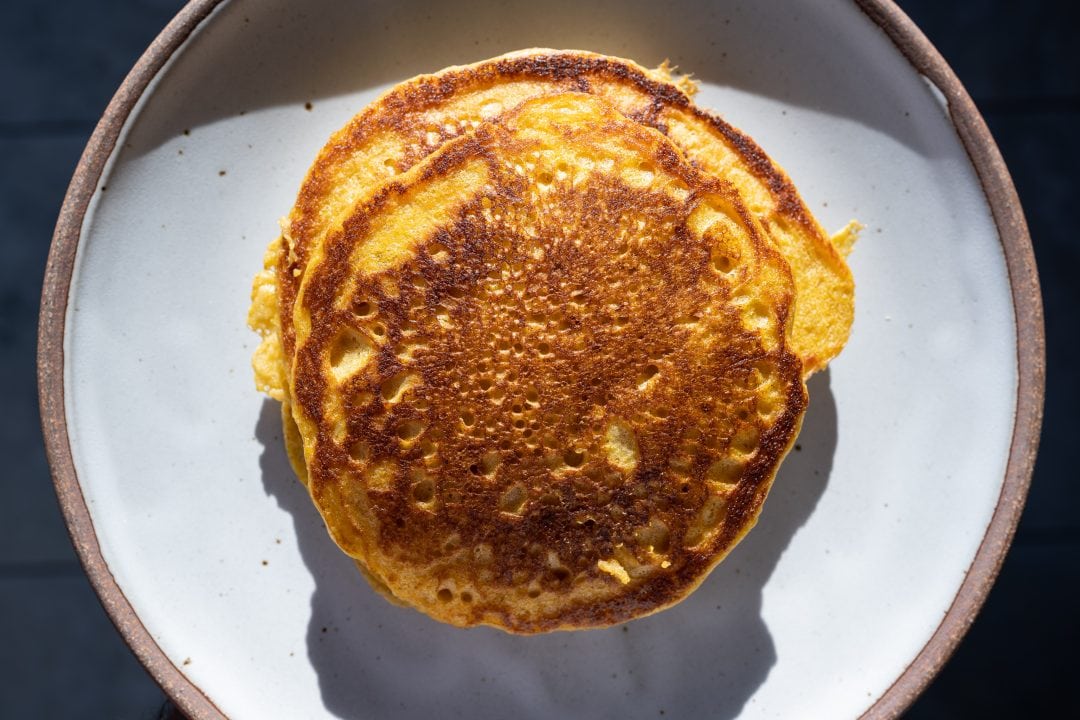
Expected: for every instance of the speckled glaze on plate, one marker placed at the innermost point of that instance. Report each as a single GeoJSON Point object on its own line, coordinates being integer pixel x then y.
{"type": "Point", "coordinates": [884, 530]}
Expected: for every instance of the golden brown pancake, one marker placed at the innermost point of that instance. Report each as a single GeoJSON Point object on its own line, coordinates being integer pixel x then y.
{"type": "Point", "coordinates": [417, 117]}
{"type": "Point", "coordinates": [545, 379]}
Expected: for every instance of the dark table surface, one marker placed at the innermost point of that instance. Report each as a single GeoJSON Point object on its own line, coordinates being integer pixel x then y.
{"type": "Point", "coordinates": [61, 61]}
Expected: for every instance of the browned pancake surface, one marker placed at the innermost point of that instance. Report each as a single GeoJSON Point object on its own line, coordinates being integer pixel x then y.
{"type": "Point", "coordinates": [545, 380]}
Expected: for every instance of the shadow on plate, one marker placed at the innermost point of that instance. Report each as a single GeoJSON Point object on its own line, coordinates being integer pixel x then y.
{"type": "Point", "coordinates": [826, 58]}
{"type": "Point", "coordinates": [705, 656]}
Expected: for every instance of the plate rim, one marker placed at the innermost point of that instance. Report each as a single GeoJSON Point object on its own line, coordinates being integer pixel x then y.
{"type": "Point", "coordinates": [1005, 209]}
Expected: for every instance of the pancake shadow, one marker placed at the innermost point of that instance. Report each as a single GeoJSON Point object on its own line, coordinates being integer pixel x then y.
{"type": "Point", "coordinates": [706, 656]}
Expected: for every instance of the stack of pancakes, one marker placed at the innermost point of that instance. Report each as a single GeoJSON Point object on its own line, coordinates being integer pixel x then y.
{"type": "Point", "coordinates": [540, 328]}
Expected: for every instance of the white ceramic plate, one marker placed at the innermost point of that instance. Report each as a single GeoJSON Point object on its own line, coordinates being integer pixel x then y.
{"type": "Point", "coordinates": [218, 570]}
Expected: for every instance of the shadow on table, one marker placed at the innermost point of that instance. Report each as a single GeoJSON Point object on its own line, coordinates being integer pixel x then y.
{"type": "Point", "coordinates": [708, 654]}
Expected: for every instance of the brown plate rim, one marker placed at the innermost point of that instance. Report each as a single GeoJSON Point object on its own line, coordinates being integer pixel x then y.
{"type": "Point", "coordinates": [1005, 208]}
{"type": "Point", "coordinates": [1030, 348]}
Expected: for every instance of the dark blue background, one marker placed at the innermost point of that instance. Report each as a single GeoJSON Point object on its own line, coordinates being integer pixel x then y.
{"type": "Point", "coordinates": [60, 62]}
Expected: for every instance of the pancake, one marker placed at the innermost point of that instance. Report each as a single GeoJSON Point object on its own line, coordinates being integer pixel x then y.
{"type": "Point", "coordinates": [417, 117]}
{"type": "Point", "coordinates": [546, 379]}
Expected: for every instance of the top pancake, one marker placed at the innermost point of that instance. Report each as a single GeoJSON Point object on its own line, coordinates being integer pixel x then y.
{"type": "Point", "coordinates": [417, 117]}
{"type": "Point", "coordinates": [545, 379]}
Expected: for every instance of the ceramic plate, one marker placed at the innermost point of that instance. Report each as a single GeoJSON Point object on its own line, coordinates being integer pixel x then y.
{"type": "Point", "coordinates": [884, 529]}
